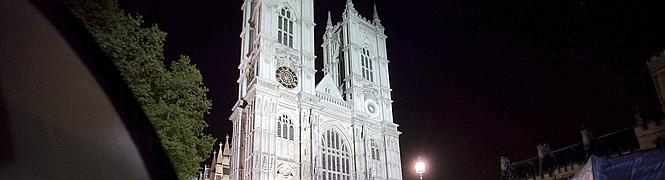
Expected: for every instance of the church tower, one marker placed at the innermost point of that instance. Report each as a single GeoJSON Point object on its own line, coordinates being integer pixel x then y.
{"type": "Point", "coordinates": [355, 60]}
{"type": "Point", "coordinates": [355, 57]}
{"type": "Point", "coordinates": [276, 90]}
{"type": "Point", "coordinates": [286, 126]}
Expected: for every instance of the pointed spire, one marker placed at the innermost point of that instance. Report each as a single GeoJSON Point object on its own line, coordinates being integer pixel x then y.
{"type": "Point", "coordinates": [215, 158]}
{"type": "Point", "coordinates": [329, 21]}
{"type": "Point", "coordinates": [226, 152]}
{"type": "Point", "coordinates": [221, 146]}
{"type": "Point", "coordinates": [376, 13]}
{"type": "Point", "coordinates": [377, 21]}
{"type": "Point", "coordinates": [218, 156]}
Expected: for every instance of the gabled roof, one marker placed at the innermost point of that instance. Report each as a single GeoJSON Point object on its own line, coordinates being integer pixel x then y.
{"type": "Point", "coordinates": [327, 86]}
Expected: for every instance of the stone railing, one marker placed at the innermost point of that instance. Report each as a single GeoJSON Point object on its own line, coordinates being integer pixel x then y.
{"type": "Point", "coordinates": [335, 101]}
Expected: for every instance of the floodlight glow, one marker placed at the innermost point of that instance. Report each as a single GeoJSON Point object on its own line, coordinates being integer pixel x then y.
{"type": "Point", "coordinates": [420, 167]}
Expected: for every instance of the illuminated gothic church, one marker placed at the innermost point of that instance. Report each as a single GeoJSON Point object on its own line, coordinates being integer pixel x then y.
{"type": "Point", "coordinates": [286, 125]}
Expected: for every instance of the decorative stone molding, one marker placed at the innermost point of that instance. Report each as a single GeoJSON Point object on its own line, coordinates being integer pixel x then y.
{"type": "Point", "coordinates": [371, 92]}
{"type": "Point", "coordinates": [286, 57]}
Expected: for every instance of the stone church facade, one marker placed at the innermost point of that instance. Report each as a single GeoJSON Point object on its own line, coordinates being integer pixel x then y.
{"type": "Point", "coordinates": [286, 125]}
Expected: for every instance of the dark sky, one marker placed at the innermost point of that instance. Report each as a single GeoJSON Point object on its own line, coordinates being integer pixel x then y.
{"type": "Point", "coordinates": [471, 80]}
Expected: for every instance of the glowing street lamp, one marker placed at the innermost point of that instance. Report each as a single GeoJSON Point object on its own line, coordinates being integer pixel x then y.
{"type": "Point", "coordinates": [420, 168]}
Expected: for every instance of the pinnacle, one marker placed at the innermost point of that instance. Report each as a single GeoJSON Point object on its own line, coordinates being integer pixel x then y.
{"type": "Point", "coordinates": [349, 6]}
{"type": "Point", "coordinates": [329, 24]}
{"type": "Point", "coordinates": [376, 14]}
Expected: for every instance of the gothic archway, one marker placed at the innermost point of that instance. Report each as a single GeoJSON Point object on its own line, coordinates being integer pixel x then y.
{"type": "Point", "coordinates": [336, 162]}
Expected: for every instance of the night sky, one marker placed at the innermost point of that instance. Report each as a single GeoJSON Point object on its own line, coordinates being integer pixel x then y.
{"type": "Point", "coordinates": [471, 80]}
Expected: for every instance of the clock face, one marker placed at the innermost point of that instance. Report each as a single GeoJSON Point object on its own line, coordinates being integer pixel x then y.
{"type": "Point", "coordinates": [286, 77]}
{"type": "Point", "coordinates": [372, 108]}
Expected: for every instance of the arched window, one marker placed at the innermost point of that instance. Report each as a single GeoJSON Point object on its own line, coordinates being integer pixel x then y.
{"type": "Point", "coordinates": [284, 127]}
{"type": "Point", "coordinates": [375, 150]}
{"type": "Point", "coordinates": [285, 27]}
{"type": "Point", "coordinates": [291, 132]}
{"type": "Point", "coordinates": [367, 66]}
{"type": "Point", "coordinates": [335, 157]}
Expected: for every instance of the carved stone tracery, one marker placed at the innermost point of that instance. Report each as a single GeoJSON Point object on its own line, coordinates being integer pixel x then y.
{"type": "Point", "coordinates": [371, 92]}
{"type": "Point", "coordinates": [286, 58]}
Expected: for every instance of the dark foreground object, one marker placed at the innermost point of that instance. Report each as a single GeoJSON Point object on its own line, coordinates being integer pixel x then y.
{"type": "Point", "coordinates": [65, 112]}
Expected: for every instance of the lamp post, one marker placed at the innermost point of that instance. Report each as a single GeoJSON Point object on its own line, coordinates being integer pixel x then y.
{"type": "Point", "coordinates": [420, 168]}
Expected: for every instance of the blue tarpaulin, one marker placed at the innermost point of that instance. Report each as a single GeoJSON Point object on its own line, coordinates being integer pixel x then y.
{"type": "Point", "coordinates": [642, 165]}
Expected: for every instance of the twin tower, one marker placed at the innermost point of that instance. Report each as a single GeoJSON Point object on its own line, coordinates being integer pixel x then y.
{"type": "Point", "coordinates": [286, 125]}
